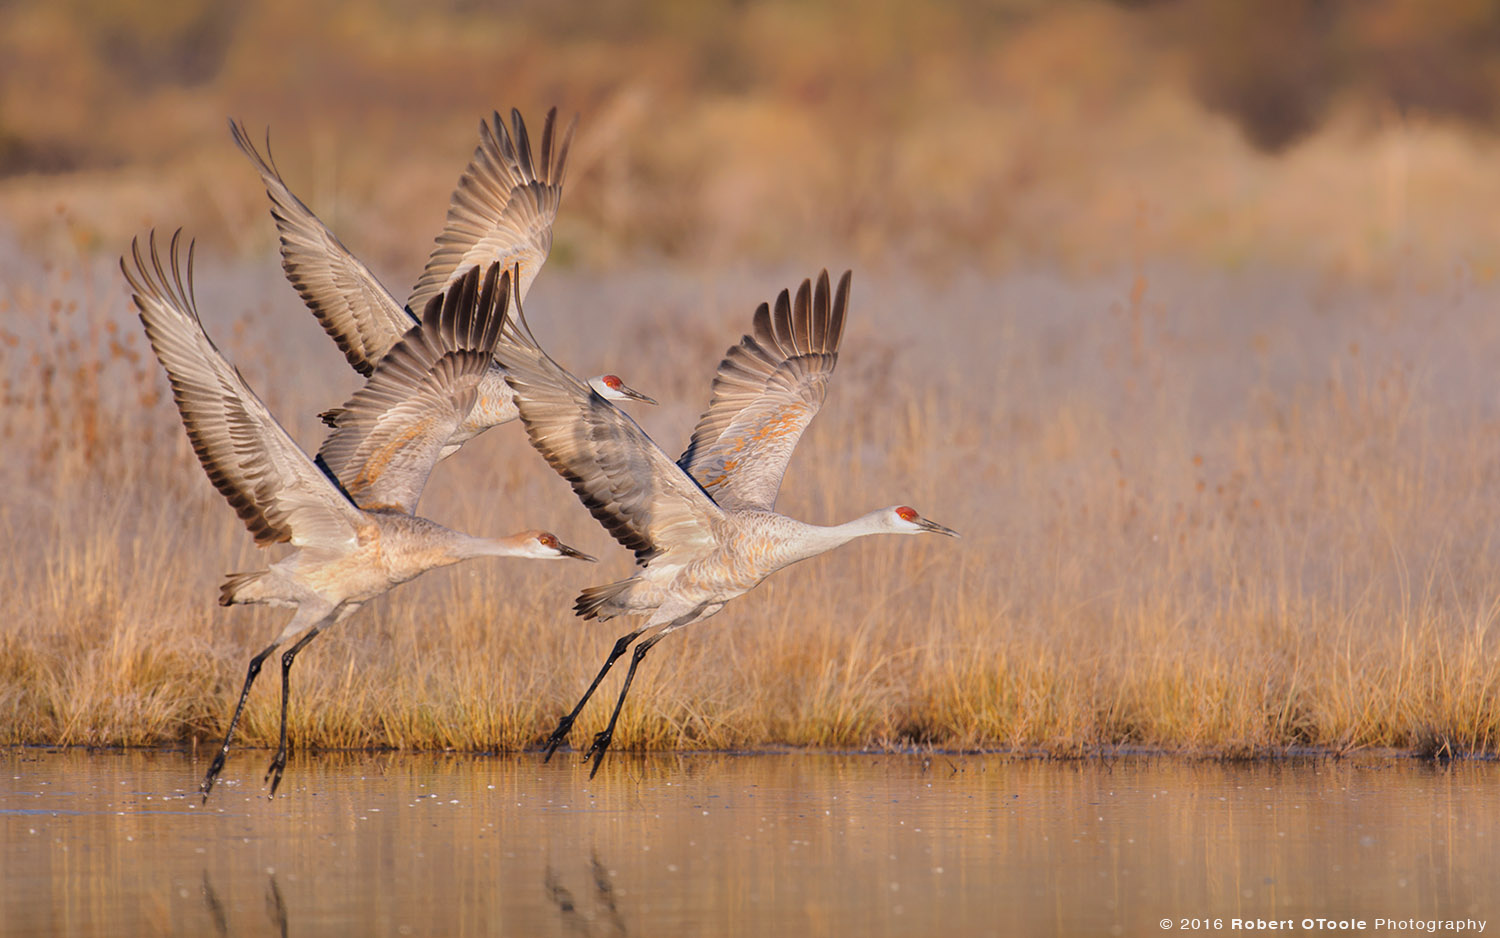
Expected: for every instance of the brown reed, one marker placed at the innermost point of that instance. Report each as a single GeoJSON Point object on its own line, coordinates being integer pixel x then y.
{"type": "Point", "coordinates": [1234, 527]}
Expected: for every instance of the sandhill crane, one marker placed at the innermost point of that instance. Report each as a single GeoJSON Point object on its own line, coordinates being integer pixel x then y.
{"type": "Point", "coordinates": [356, 541]}
{"type": "Point", "coordinates": [704, 529]}
{"type": "Point", "coordinates": [501, 211]}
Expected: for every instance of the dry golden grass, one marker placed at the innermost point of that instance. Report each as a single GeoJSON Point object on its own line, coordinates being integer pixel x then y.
{"type": "Point", "coordinates": [1208, 513]}
{"type": "Point", "coordinates": [1220, 427]}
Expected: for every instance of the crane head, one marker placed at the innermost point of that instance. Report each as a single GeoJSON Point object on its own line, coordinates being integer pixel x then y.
{"type": "Point", "coordinates": [544, 544]}
{"type": "Point", "coordinates": [906, 521]}
{"type": "Point", "coordinates": [610, 387]}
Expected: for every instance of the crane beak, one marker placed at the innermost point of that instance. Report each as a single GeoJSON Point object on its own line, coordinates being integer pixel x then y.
{"type": "Point", "coordinates": [936, 528]}
{"type": "Point", "coordinates": [567, 551]}
{"type": "Point", "coordinates": [635, 395]}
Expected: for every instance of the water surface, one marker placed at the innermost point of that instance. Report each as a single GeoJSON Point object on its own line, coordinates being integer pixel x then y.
{"type": "Point", "coordinates": [797, 844]}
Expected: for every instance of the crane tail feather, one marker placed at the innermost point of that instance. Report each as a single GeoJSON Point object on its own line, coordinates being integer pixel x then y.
{"type": "Point", "coordinates": [243, 588]}
{"type": "Point", "coordinates": [602, 602]}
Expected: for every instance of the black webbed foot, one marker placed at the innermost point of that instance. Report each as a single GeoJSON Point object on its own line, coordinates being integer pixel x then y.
{"type": "Point", "coordinates": [273, 772]}
{"type": "Point", "coordinates": [597, 750]}
{"type": "Point", "coordinates": [214, 768]}
{"type": "Point", "coordinates": [558, 737]}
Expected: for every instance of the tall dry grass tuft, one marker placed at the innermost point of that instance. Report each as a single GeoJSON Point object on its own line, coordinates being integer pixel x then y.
{"type": "Point", "coordinates": [1211, 513]}
{"type": "Point", "coordinates": [1219, 427]}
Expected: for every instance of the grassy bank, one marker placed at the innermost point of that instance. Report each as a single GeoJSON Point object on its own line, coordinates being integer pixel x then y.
{"type": "Point", "coordinates": [1210, 513]}
{"type": "Point", "coordinates": [1184, 314]}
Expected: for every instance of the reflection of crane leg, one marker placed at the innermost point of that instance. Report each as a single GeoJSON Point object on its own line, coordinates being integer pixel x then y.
{"type": "Point", "coordinates": [606, 892]}
{"type": "Point", "coordinates": [273, 773]}
{"type": "Point", "coordinates": [276, 906]}
{"type": "Point", "coordinates": [602, 740]}
{"type": "Point", "coordinates": [215, 907]}
{"type": "Point", "coordinates": [566, 723]}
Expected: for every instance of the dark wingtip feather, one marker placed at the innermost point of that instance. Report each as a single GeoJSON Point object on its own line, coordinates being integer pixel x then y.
{"type": "Point", "coordinates": [457, 305]}
{"type": "Point", "coordinates": [818, 335]}
{"type": "Point", "coordinates": [501, 137]}
{"type": "Point", "coordinates": [840, 311]}
{"type": "Point", "coordinates": [494, 297]}
{"type": "Point", "coordinates": [237, 131]}
{"type": "Point", "coordinates": [801, 323]}
{"type": "Point", "coordinates": [263, 164]}
{"type": "Point", "coordinates": [467, 305]}
{"type": "Point", "coordinates": [241, 138]}
{"type": "Point", "coordinates": [173, 286]}
{"type": "Point", "coordinates": [488, 139]}
{"type": "Point", "coordinates": [470, 314]}
{"type": "Point", "coordinates": [495, 322]}
{"type": "Point", "coordinates": [433, 309]}
{"type": "Point", "coordinates": [761, 324]}
{"type": "Point", "coordinates": [780, 323]}
{"type": "Point", "coordinates": [546, 151]}
{"type": "Point", "coordinates": [523, 144]}
{"type": "Point", "coordinates": [559, 168]}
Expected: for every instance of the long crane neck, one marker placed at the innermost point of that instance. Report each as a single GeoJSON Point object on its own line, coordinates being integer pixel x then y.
{"type": "Point", "coordinates": [464, 546]}
{"type": "Point", "coordinates": [815, 539]}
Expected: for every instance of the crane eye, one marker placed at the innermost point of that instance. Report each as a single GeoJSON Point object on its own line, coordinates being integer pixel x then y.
{"type": "Point", "coordinates": [547, 540]}
{"type": "Point", "coordinates": [612, 381]}
{"type": "Point", "coordinates": [906, 514]}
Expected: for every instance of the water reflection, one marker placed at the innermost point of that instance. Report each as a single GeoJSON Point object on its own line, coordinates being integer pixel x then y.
{"type": "Point", "coordinates": [113, 843]}
{"type": "Point", "coordinates": [275, 907]}
{"type": "Point", "coordinates": [215, 907]}
{"type": "Point", "coordinates": [603, 896]}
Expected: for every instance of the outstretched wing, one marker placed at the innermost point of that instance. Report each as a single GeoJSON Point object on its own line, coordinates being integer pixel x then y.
{"type": "Point", "coordinates": [502, 209]}
{"type": "Point", "coordinates": [390, 434]}
{"type": "Point", "coordinates": [360, 314]}
{"type": "Point", "coordinates": [273, 486]}
{"type": "Point", "coordinates": [624, 479]}
{"type": "Point", "coordinates": [768, 389]}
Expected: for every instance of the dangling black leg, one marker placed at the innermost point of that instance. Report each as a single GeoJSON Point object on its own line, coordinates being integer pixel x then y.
{"type": "Point", "coordinates": [566, 723]}
{"type": "Point", "coordinates": [602, 739]}
{"type": "Point", "coordinates": [218, 764]}
{"type": "Point", "coordinates": [273, 773]}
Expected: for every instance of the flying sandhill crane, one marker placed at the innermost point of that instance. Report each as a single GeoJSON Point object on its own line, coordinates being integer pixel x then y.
{"type": "Point", "coordinates": [501, 211]}
{"type": "Point", "coordinates": [704, 529]}
{"type": "Point", "coordinates": [356, 541]}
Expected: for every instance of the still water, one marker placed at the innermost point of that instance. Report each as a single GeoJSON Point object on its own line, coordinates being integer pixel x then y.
{"type": "Point", "coordinates": [766, 844]}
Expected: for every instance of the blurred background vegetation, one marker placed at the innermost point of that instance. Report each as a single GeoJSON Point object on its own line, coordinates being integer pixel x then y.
{"type": "Point", "coordinates": [1183, 312]}
{"type": "Point", "coordinates": [1340, 134]}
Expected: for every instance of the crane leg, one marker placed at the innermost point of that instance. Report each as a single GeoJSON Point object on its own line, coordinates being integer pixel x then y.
{"type": "Point", "coordinates": [566, 723]}
{"type": "Point", "coordinates": [273, 773]}
{"type": "Point", "coordinates": [218, 764]}
{"type": "Point", "coordinates": [602, 739]}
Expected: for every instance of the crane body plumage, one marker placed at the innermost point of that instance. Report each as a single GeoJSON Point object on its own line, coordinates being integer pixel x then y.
{"type": "Point", "coordinates": [352, 540]}
{"type": "Point", "coordinates": [703, 528]}
{"type": "Point", "coordinates": [391, 548]}
{"type": "Point", "coordinates": [747, 548]}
